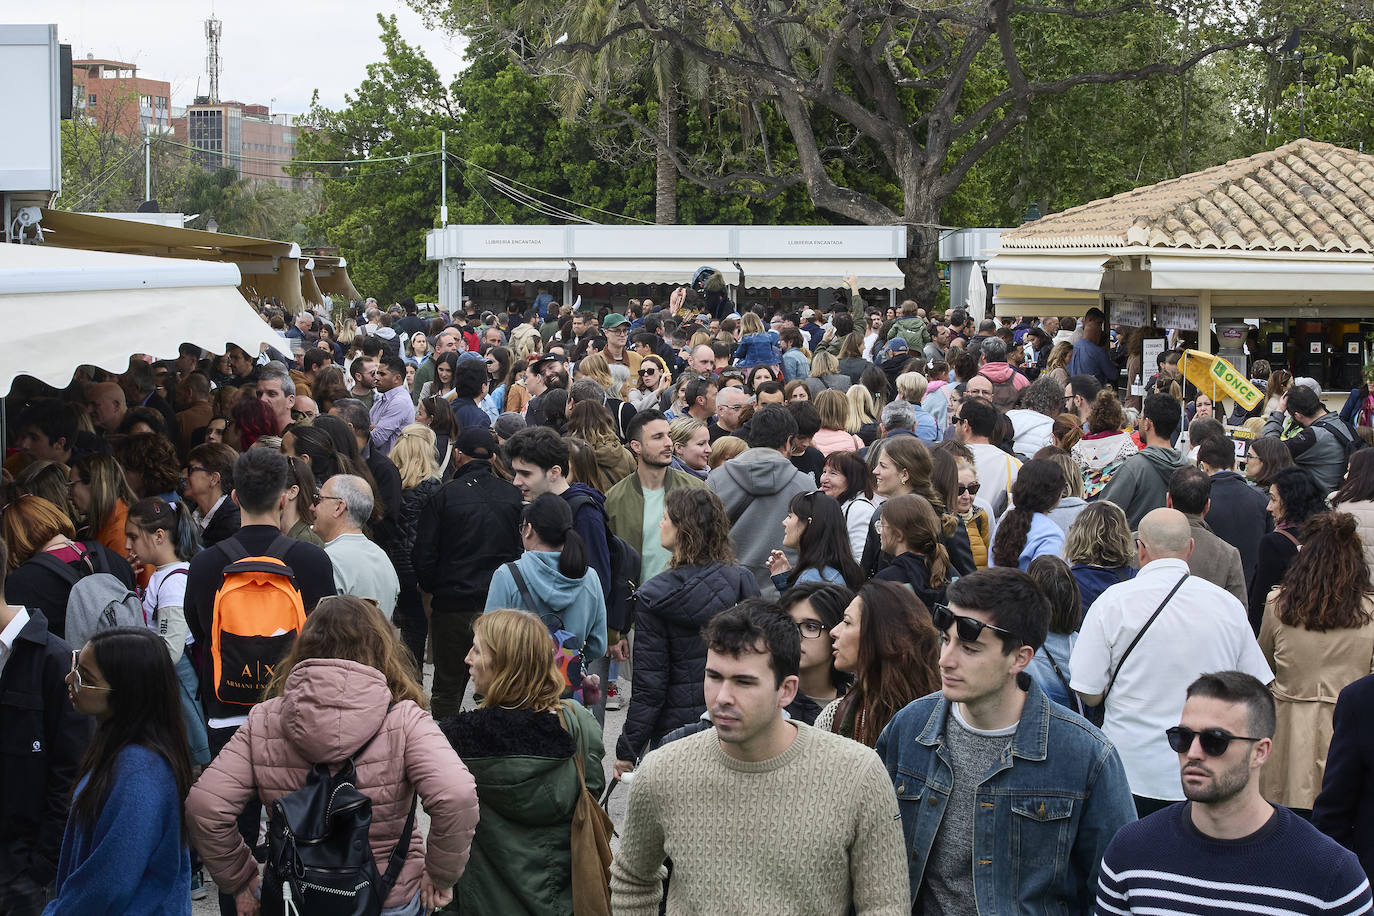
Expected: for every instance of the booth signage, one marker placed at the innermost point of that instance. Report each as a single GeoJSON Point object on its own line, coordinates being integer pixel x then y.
{"type": "Point", "coordinates": [1216, 377]}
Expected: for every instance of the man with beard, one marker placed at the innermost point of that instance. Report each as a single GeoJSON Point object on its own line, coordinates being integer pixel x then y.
{"type": "Point", "coordinates": [1226, 849]}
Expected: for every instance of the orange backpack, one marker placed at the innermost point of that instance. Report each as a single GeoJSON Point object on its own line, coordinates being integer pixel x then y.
{"type": "Point", "coordinates": [257, 616]}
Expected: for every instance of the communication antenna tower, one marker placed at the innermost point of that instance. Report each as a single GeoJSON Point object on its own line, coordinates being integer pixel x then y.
{"type": "Point", "coordinates": [213, 64]}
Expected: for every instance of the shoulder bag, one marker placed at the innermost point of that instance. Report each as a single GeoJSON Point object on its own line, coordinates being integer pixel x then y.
{"type": "Point", "coordinates": [1100, 709]}
{"type": "Point", "coordinates": [591, 837]}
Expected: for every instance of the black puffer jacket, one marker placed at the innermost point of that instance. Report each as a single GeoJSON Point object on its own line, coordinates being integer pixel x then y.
{"type": "Point", "coordinates": [412, 503]}
{"type": "Point", "coordinates": [669, 656]}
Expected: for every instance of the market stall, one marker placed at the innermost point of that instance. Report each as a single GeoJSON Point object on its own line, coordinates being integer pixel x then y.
{"type": "Point", "coordinates": [1282, 242]}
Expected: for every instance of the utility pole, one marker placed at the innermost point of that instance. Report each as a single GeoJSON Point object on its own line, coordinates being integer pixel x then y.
{"type": "Point", "coordinates": [443, 178]}
{"type": "Point", "coordinates": [148, 165]}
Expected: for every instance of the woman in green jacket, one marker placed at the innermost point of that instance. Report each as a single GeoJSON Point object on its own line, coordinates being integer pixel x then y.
{"type": "Point", "coordinates": [519, 744]}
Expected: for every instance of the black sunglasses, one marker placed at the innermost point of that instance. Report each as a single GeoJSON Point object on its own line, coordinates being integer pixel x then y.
{"type": "Point", "coordinates": [971, 488]}
{"type": "Point", "coordinates": [968, 629]}
{"type": "Point", "coordinates": [1215, 741]}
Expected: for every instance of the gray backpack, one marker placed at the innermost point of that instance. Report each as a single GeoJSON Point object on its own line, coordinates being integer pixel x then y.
{"type": "Point", "coordinates": [98, 600]}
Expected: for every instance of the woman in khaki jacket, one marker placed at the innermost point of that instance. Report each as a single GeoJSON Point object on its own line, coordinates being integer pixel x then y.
{"type": "Point", "coordinates": [1318, 635]}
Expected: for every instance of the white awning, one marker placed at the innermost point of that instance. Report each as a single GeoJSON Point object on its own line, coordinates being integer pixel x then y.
{"type": "Point", "coordinates": [1068, 272]}
{"type": "Point", "coordinates": [643, 270]}
{"type": "Point", "coordinates": [67, 307]}
{"type": "Point", "coordinates": [806, 273]}
{"type": "Point", "coordinates": [1297, 273]}
{"type": "Point", "coordinates": [515, 269]}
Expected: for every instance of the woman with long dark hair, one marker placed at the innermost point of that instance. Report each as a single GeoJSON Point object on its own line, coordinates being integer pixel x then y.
{"type": "Point", "coordinates": [438, 416]}
{"type": "Point", "coordinates": [1294, 497]}
{"type": "Point", "coordinates": [1318, 636]}
{"type": "Point", "coordinates": [315, 447]}
{"type": "Point", "coordinates": [441, 386]}
{"type": "Point", "coordinates": [904, 465]}
{"type": "Point", "coordinates": [1050, 666]}
{"type": "Point", "coordinates": [1026, 531]}
{"type": "Point", "coordinates": [847, 480]}
{"type": "Point", "coordinates": [814, 527]}
{"type": "Point", "coordinates": [911, 534]}
{"type": "Point", "coordinates": [163, 538]}
{"type": "Point", "coordinates": [552, 578]}
{"type": "Point", "coordinates": [1356, 496]}
{"type": "Point", "coordinates": [1265, 459]}
{"type": "Point", "coordinates": [671, 608]}
{"type": "Point", "coordinates": [501, 371]}
{"type": "Point", "coordinates": [887, 641]}
{"type": "Point", "coordinates": [817, 608]}
{"type": "Point", "coordinates": [524, 746]}
{"type": "Point", "coordinates": [123, 850]}
{"type": "Point", "coordinates": [298, 512]}
{"type": "Point", "coordinates": [345, 690]}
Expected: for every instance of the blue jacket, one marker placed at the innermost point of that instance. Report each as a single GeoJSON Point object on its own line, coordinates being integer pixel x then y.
{"type": "Point", "coordinates": [134, 860]}
{"type": "Point", "coordinates": [1090, 359]}
{"type": "Point", "coordinates": [1044, 537]}
{"type": "Point", "coordinates": [794, 365]}
{"type": "Point", "coordinates": [578, 603]}
{"type": "Point", "coordinates": [758, 350]}
{"type": "Point", "coordinates": [1043, 818]}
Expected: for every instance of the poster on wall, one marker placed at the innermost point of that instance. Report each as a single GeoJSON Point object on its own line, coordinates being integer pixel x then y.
{"type": "Point", "coordinates": [1128, 311]}
{"type": "Point", "coordinates": [1176, 314]}
{"type": "Point", "coordinates": [1150, 349]}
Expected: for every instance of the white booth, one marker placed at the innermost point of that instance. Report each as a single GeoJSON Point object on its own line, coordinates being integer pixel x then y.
{"type": "Point", "coordinates": [606, 265]}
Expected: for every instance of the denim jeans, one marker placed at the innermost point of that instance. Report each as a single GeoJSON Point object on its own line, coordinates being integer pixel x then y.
{"type": "Point", "coordinates": [412, 908]}
{"type": "Point", "coordinates": [192, 713]}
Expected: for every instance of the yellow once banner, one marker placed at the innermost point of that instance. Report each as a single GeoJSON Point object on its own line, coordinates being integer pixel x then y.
{"type": "Point", "coordinates": [1218, 379]}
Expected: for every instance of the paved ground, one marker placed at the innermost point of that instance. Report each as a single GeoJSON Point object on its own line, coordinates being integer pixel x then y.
{"type": "Point", "coordinates": [615, 721]}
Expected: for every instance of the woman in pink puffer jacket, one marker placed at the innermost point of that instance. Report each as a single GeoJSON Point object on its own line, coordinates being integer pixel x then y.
{"type": "Point", "coordinates": [347, 678]}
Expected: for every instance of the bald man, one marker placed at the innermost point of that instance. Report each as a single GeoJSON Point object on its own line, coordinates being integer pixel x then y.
{"type": "Point", "coordinates": [703, 360]}
{"type": "Point", "coordinates": [106, 405]}
{"type": "Point", "coordinates": [1180, 627]}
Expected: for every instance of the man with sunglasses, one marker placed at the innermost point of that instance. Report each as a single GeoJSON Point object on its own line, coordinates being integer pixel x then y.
{"type": "Point", "coordinates": [1226, 849]}
{"type": "Point", "coordinates": [1143, 639]}
{"type": "Point", "coordinates": [1007, 799]}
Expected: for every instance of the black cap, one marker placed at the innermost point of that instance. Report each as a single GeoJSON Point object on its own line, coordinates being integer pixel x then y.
{"type": "Point", "coordinates": [476, 442]}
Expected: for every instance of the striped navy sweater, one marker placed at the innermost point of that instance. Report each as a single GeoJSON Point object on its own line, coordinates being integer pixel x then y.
{"type": "Point", "coordinates": [1163, 865]}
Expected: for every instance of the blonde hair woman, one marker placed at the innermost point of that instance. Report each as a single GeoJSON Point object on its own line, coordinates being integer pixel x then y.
{"type": "Point", "coordinates": [595, 367]}
{"type": "Point", "coordinates": [691, 446]}
{"type": "Point", "coordinates": [1100, 549]}
{"type": "Point", "coordinates": [825, 373]}
{"type": "Point", "coordinates": [521, 734]}
{"type": "Point", "coordinates": [912, 387]}
{"type": "Point", "coordinates": [863, 408]}
{"type": "Point", "coordinates": [414, 456]}
{"type": "Point", "coordinates": [1057, 365]}
{"type": "Point", "coordinates": [838, 423]}
{"type": "Point", "coordinates": [725, 448]}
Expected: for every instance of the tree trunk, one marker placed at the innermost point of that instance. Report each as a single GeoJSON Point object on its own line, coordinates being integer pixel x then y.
{"type": "Point", "coordinates": [665, 178]}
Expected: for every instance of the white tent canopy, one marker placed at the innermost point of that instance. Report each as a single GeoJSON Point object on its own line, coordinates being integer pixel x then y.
{"type": "Point", "coordinates": [804, 273]}
{"type": "Point", "coordinates": [66, 307]}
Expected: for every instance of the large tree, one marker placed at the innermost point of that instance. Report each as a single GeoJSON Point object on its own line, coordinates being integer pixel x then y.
{"type": "Point", "coordinates": [886, 107]}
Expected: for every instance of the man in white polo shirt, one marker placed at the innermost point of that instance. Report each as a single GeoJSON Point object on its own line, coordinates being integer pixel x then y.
{"type": "Point", "coordinates": [1186, 627]}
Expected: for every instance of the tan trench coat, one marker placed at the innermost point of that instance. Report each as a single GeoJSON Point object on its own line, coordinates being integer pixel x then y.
{"type": "Point", "coordinates": [1310, 669]}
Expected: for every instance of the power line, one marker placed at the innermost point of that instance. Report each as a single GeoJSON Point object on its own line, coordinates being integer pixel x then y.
{"type": "Point", "coordinates": [549, 193]}
{"type": "Point", "coordinates": [406, 156]}
{"type": "Point", "coordinates": [247, 174]}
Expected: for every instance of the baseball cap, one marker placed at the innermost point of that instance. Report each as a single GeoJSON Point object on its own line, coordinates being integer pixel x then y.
{"type": "Point", "coordinates": [613, 320]}
{"type": "Point", "coordinates": [1308, 382]}
{"type": "Point", "coordinates": [895, 345]}
{"type": "Point", "coordinates": [548, 358]}
{"type": "Point", "coordinates": [507, 425]}
{"type": "Point", "coordinates": [476, 442]}
{"type": "Point", "coordinates": [808, 314]}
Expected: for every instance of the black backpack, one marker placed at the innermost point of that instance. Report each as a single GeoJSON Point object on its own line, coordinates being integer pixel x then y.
{"type": "Point", "coordinates": [319, 858]}
{"type": "Point", "coordinates": [1343, 431]}
{"type": "Point", "coordinates": [625, 567]}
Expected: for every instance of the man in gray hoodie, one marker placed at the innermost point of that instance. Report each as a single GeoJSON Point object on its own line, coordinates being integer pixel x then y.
{"type": "Point", "coordinates": [756, 487]}
{"type": "Point", "coordinates": [1143, 481]}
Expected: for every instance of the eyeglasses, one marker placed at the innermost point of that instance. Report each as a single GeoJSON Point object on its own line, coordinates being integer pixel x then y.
{"type": "Point", "coordinates": [320, 497]}
{"type": "Point", "coordinates": [192, 468]}
{"type": "Point", "coordinates": [810, 629]}
{"type": "Point", "coordinates": [971, 489]}
{"type": "Point", "coordinates": [966, 628]}
{"type": "Point", "coordinates": [76, 675]}
{"type": "Point", "coordinates": [649, 370]}
{"type": "Point", "coordinates": [1215, 741]}
{"type": "Point", "coordinates": [720, 407]}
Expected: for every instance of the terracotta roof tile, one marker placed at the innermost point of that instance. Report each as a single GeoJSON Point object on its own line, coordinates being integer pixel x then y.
{"type": "Point", "coordinates": [1306, 196]}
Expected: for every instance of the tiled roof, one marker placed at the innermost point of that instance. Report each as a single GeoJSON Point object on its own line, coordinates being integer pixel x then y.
{"type": "Point", "coordinates": [1306, 196]}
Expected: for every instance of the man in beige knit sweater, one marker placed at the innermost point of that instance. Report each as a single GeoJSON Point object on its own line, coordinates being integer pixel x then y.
{"type": "Point", "coordinates": [761, 814]}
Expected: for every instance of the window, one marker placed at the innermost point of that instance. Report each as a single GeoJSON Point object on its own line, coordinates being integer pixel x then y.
{"type": "Point", "coordinates": [91, 100]}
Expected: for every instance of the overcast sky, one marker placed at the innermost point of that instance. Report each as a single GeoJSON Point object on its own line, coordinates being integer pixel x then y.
{"type": "Point", "coordinates": [282, 49]}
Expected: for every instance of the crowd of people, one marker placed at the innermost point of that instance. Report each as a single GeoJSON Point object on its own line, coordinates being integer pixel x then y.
{"type": "Point", "coordinates": [910, 615]}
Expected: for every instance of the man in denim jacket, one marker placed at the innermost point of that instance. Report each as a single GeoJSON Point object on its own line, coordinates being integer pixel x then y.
{"type": "Point", "coordinates": [1007, 800]}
